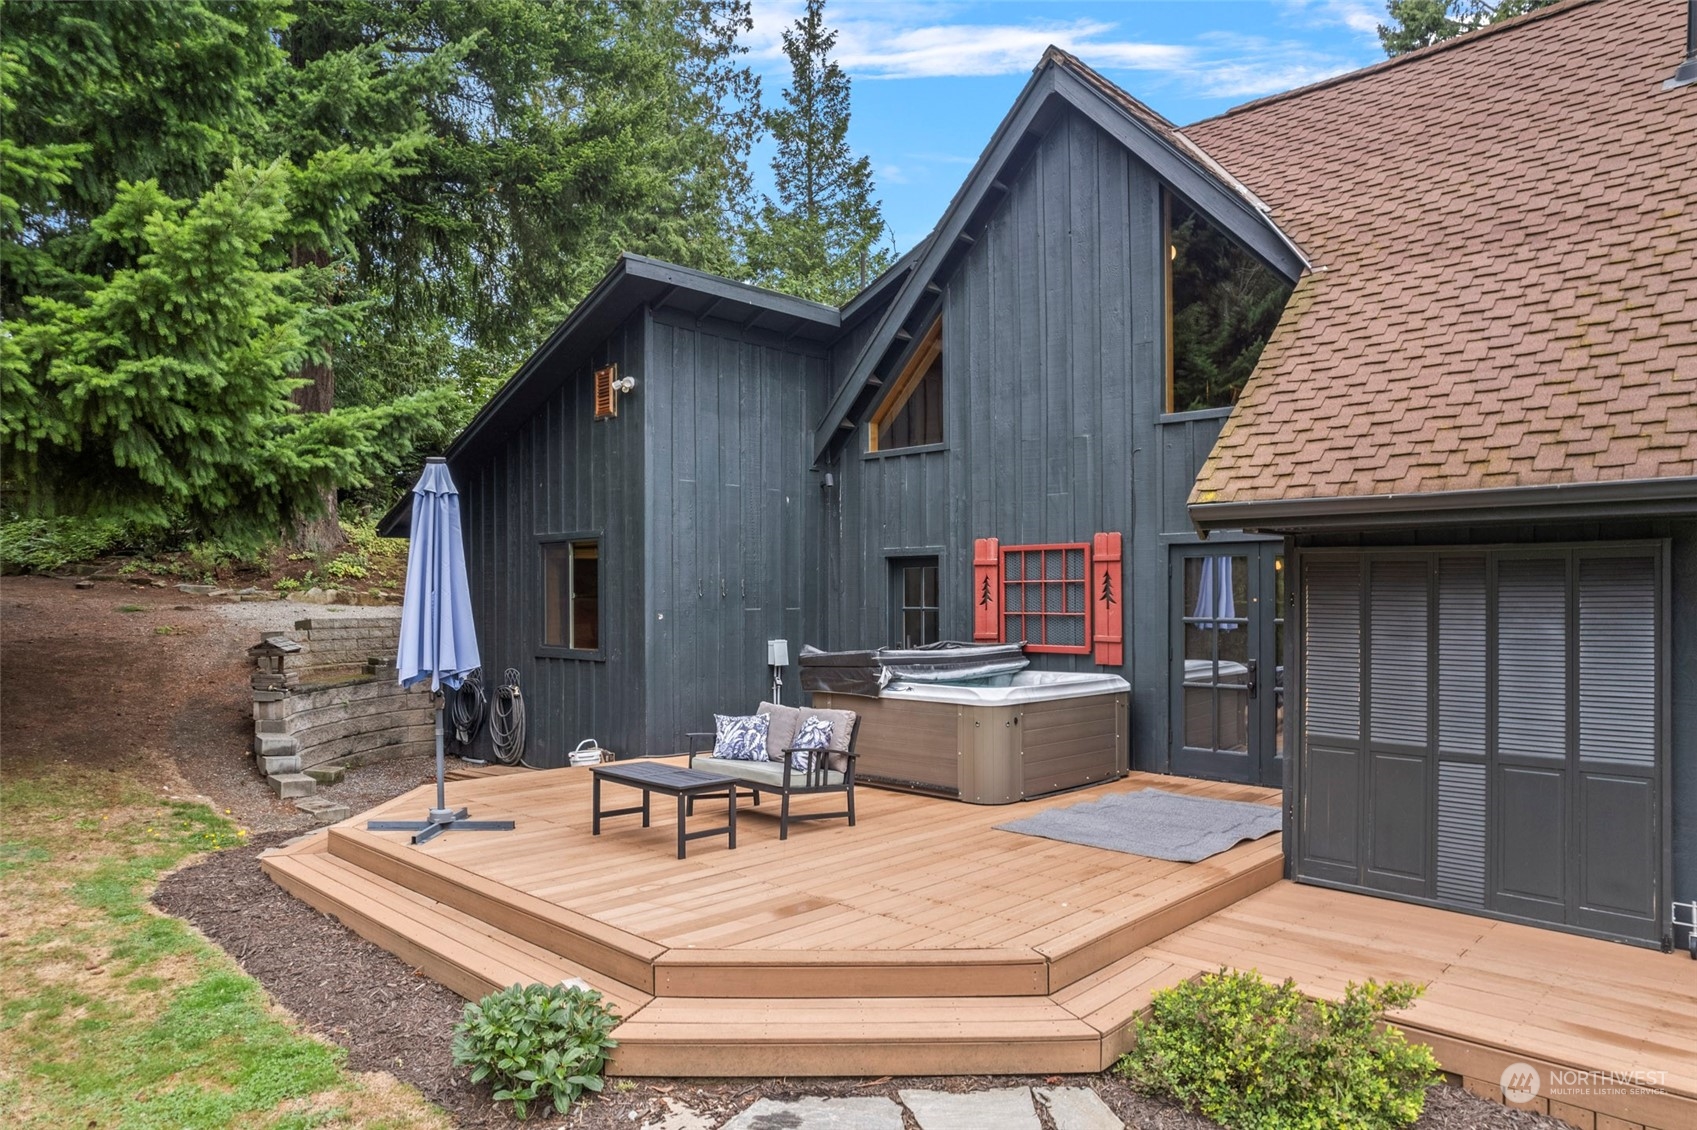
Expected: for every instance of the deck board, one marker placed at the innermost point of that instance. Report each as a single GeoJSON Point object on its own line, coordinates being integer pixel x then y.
{"type": "Point", "coordinates": [926, 941]}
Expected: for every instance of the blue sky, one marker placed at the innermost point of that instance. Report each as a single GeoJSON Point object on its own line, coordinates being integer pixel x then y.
{"type": "Point", "coordinates": [932, 80]}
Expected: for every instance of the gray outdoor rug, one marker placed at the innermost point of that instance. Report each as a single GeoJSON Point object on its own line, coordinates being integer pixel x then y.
{"type": "Point", "coordinates": [1150, 822]}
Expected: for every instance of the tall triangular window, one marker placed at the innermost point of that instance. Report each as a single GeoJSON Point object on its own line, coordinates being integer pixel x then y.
{"type": "Point", "coordinates": [912, 414]}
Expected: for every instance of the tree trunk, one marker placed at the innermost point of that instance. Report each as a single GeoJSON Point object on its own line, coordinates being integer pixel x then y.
{"type": "Point", "coordinates": [321, 534]}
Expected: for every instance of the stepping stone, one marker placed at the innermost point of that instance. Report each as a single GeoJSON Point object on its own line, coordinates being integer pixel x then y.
{"type": "Point", "coordinates": [271, 766]}
{"type": "Point", "coordinates": [288, 785]}
{"type": "Point", "coordinates": [1078, 1108]}
{"type": "Point", "coordinates": [1008, 1108]}
{"type": "Point", "coordinates": [327, 774]}
{"type": "Point", "coordinates": [681, 1117]}
{"type": "Point", "coordinates": [323, 809]}
{"type": "Point", "coordinates": [863, 1112]}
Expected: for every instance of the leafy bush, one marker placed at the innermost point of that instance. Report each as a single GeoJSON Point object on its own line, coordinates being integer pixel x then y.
{"type": "Point", "coordinates": [348, 566]}
{"type": "Point", "coordinates": [537, 1042]}
{"type": "Point", "coordinates": [1256, 1056]}
{"type": "Point", "coordinates": [40, 545]}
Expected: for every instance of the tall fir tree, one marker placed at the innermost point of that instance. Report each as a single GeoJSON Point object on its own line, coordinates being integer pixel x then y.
{"type": "Point", "coordinates": [1420, 23]}
{"type": "Point", "coordinates": [824, 236]}
{"type": "Point", "coordinates": [158, 311]}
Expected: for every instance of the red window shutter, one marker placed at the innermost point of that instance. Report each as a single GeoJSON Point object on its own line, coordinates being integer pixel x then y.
{"type": "Point", "coordinates": [986, 590]}
{"type": "Point", "coordinates": [1107, 594]}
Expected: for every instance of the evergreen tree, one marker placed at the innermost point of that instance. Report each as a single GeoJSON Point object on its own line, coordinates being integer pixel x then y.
{"type": "Point", "coordinates": [820, 238]}
{"type": "Point", "coordinates": [157, 305]}
{"type": "Point", "coordinates": [1420, 23]}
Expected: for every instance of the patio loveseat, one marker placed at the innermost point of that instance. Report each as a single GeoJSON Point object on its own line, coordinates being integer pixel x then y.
{"type": "Point", "coordinates": [828, 770]}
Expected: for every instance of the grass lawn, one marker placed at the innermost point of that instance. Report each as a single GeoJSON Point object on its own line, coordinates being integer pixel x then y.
{"type": "Point", "coordinates": [112, 1014]}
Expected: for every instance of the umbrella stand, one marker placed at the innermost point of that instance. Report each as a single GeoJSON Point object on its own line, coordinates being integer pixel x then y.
{"type": "Point", "coordinates": [441, 818]}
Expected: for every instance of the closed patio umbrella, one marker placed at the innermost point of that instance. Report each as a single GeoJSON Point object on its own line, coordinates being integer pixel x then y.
{"type": "Point", "coordinates": [438, 638]}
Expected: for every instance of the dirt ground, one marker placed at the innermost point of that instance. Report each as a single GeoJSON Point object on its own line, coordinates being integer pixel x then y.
{"type": "Point", "coordinates": [146, 681]}
{"type": "Point", "coordinates": [121, 676]}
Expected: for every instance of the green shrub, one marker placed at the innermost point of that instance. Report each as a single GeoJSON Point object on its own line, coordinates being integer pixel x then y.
{"type": "Point", "coordinates": [40, 545]}
{"type": "Point", "coordinates": [349, 566]}
{"type": "Point", "coordinates": [1256, 1056]}
{"type": "Point", "coordinates": [537, 1042]}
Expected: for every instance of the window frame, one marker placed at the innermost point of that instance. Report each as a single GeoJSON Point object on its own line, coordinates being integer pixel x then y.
{"type": "Point", "coordinates": [1084, 613]}
{"type": "Point", "coordinates": [928, 348]}
{"type": "Point", "coordinates": [898, 595]}
{"type": "Point", "coordinates": [564, 650]}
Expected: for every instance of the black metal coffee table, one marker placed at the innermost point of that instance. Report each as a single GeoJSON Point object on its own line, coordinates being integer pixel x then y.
{"type": "Point", "coordinates": [669, 780]}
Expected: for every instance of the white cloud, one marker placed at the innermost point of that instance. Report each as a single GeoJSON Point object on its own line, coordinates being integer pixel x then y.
{"type": "Point", "coordinates": [891, 174]}
{"type": "Point", "coordinates": [1362, 16]}
{"type": "Point", "coordinates": [903, 41]}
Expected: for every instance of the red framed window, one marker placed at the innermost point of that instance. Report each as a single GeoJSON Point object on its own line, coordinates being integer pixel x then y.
{"type": "Point", "coordinates": [1045, 597]}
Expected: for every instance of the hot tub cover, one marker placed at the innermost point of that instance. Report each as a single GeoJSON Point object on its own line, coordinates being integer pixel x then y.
{"type": "Point", "coordinates": [866, 673]}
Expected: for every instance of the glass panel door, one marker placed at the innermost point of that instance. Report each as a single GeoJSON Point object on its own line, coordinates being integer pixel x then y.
{"type": "Point", "coordinates": [1227, 673]}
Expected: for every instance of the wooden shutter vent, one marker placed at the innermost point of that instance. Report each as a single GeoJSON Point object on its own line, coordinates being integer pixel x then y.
{"type": "Point", "coordinates": [986, 589]}
{"type": "Point", "coordinates": [1107, 595]}
{"type": "Point", "coordinates": [606, 398]}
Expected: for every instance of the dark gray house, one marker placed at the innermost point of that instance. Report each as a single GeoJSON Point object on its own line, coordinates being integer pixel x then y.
{"type": "Point", "coordinates": [691, 466]}
{"type": "Point", "coordinates": [1467, 597]}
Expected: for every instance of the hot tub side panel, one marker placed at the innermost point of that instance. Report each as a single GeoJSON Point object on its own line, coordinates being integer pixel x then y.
{"type": "Point", "coordinates": [904, 741]}
{"type": "Point", "coordinates": [1066, 744]}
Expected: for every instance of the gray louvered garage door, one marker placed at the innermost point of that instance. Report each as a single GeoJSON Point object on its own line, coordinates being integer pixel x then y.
{"type": "Point", "coordinates": [1480, 729]}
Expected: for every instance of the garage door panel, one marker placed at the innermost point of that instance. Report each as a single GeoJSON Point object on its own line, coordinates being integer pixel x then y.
{"type": "Point", "coordinates": [1462, 820]}
{"type": "Point", "coordinates": [1511, 752]}
{"type": "Point", "coordinates": [1400, 818]}
{"type": "Point", "coordinates": [1618, 822]}
{"type": "Point", "coordinates": [1331, 828]}
{"type": "Point", "coordinates": [1528, 825]}
{"type": "Point", "coordinates": [1532, 657]}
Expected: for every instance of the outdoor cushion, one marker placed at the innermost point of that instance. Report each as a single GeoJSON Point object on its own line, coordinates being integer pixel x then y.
{"type": "Point", "coordinates": [740, 738]}
{"type": "Point", "coordinates": [842, 729]}
{"type": "Point", "coordinates": [768, 773]}
{"type": "Point", "coordinates": [815, 733]}
{"type": "Point", "coordinates": [781, 735]}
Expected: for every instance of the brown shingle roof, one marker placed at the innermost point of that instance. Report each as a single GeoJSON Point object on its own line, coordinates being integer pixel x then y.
{"type": "Point", "coordinates": [1503, 232]}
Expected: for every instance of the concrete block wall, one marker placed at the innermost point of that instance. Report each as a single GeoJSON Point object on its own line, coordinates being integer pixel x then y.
{"type": "Point", "coordinates": [326, 693]}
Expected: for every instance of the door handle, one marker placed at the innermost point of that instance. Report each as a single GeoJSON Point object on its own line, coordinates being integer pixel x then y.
{"type": "Point", "coordinates": [1254, 678]}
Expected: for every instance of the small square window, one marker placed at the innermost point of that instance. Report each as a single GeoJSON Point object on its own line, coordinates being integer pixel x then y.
{"type": "Point", "coordinates": [572, 595]}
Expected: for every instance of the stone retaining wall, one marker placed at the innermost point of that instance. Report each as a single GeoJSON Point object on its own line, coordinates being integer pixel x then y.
{"type": "Point", "coordinates": [326, 693]}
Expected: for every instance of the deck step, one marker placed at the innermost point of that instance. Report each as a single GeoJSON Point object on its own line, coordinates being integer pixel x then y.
{"type": "Point", "coordinates": [695, 1036]}
{"type": "Point", "coordinates": [470, 957]}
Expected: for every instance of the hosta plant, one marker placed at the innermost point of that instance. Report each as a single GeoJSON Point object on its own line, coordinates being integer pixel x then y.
{"type": "Point", "coordinates": [1252, 1055]}
{"type": "Point", "coordinates": [537, 1043]}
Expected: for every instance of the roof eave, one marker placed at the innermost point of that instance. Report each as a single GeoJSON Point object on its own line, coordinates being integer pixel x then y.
{"type": "Point", "coordinates": [1674, 497]}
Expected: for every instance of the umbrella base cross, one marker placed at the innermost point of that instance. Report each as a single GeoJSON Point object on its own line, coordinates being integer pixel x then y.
{"type": "Point", "coordinates": [441, 818]}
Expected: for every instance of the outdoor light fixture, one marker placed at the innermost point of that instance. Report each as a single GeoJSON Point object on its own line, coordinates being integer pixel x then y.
{"type": "Point", "coordinates": [624, 385]}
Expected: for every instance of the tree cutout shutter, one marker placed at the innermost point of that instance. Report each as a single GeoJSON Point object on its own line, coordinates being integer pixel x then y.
{"type": "Point", "coordinates": [986, 590]}
{"type": "Point", "coordinates": [1107, 594]}
{"type": "Point", "coordinates": [606, 400]}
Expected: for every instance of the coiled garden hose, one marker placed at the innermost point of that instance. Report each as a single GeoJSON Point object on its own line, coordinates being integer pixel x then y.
{"type": "Point", "coordinates": [506, 723]}
{"type": "Point", "coordinates": [467, 707]}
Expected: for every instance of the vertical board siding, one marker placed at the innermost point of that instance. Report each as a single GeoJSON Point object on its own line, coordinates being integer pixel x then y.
{"type": "Point", "coordinates": [735, 518]}
{"type": "Point", "coordinates": [559, 473]}
{"type": "Point", "coordinates": [1053, 389]}
{"type": "Point", "coordinates": [1461, 655]}
{"type": "Point", "coordinates": [1617, 659]}
{"type": "Point", "coordinates": [1461, 833]}
{"type": "Point", "coordinates": [1399, 656]}
{"type": "Point", "coordinates": [1332, 649]}
{"type": "Point", "coordinates": [1532, 657]}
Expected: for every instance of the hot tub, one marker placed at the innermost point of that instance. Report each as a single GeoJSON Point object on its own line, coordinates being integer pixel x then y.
{"type": "Point", "coordinates": [992, 741]}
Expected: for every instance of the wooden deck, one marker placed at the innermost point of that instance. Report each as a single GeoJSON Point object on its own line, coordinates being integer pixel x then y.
{"type": "Point", "coordinates": [925, 941]}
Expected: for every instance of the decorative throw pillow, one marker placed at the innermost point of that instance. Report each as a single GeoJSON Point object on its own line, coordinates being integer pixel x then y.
{"type": "Point", "coordinates": [815, 733]}
{"type": "Point", "coordinates": [740, 738]}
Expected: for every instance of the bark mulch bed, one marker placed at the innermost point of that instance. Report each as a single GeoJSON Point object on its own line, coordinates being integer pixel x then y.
{"type": "Point", "coordinates": [391, 1018]}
